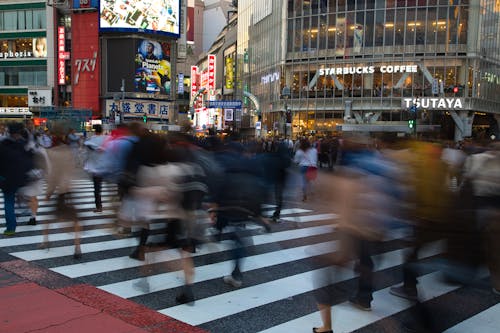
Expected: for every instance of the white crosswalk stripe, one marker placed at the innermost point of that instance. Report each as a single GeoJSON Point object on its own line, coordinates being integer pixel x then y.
{"type": "Point", "coordinates": [293, 247]}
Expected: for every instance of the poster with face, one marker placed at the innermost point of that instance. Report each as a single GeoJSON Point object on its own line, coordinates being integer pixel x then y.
{"type": "Point", "coordinates": [40, 47]}
{"type": "Point", "coordinates": [152, 67]}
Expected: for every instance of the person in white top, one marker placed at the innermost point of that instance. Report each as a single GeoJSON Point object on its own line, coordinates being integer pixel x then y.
{"type": "Point", "coordinates": [307, 159]}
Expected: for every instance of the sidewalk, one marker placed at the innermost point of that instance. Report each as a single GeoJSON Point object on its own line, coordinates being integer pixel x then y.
{"type": "Point", "coordinates": [37, 299]}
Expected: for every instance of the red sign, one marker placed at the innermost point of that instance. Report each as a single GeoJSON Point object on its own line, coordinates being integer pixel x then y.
{"type": "Point", "coordinates": [85, 67]}
{"type": "Point", "coordinates": [61, 52]}
{"type": "Point", "coordinates": [211, 72]}
{"type": "Point", "coordinates": [194, 81]}
{"type": "Point", "coordinates": [84, 3]}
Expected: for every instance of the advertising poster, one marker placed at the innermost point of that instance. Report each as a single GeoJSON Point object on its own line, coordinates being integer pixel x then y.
{"type": "Point", "coordinates": [152, 67]}
{"type": "Point", "coordinates": [40, 47]}
{"type": "Point", "coordinates": [341, 32]}
{"type": "Point", "coordinates": [155, 16]}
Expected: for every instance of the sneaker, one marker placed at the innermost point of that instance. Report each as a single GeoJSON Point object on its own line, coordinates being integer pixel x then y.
{"type": "Point", "coordinates": [232, 281]}
{"type": "Point", "coordinates": [408, 293]}
{"type": "Point", "coordinates": [32, 221]}
{"type": "Point", "coordinates": [360, 304]}
{"type": "Point", "coordinates": [9, 233]}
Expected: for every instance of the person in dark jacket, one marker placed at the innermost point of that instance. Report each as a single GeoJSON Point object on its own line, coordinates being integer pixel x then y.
{"type": "Point", "coordinates": [15, 164]}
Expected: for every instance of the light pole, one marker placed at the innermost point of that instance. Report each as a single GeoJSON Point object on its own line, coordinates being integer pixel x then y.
{"type": "Point", "coordinates": [285, 93]}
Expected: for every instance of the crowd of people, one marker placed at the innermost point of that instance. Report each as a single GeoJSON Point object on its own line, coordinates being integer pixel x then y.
{"type": "Point", "coordinates": [439, 191]}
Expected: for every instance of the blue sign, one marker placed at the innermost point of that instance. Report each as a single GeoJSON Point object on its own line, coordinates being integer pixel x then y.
{"type": "Point", "coordinates": [236, 104]}
{"type": "Point", "coordinates": [80, 4]}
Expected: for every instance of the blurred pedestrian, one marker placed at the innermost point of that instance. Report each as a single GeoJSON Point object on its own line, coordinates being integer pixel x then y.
{"type": "Point", "coordinates": [95, 163]}
{"type": "Point", "coordinates": [307, 159]}
{"type": "Point", "coordinates": [59, 181]}
{"type": "Point", "coordinates": [15, 164]}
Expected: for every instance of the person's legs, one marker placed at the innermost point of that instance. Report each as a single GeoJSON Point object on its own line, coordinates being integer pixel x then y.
{"type": "Point", "coordinates": [364, 296]}
{"type": "Point", "coordinates": [97, 192]}
{"type": "Point", "coordinates": [325, 311]}
{"type": "Point", "coordinates": [9, 209]}
{"type": "Point", "coordinates": [33, 205]}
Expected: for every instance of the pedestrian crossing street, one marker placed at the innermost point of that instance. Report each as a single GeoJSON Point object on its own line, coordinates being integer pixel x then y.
{"type": "Point", "coordinates": [280, 273]}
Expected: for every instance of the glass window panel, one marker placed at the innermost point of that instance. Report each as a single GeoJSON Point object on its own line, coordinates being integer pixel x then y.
{"type": "Point", "coordinates": [341, 5]}
{"type": "Point", "coordinates": [305, 34]}
{"type": "Point", "coordinates": [462, 26]}
{"type": "Point", "coordinates": [39, 19]}
{"type": "Point", "coordinates": [297, 35]}
{"type": "Point", "coordinates": [453, 24]}
{"type": "Point", "coordinates": [399, 27]}
{"type": "Point", "coordinates": [306, 7]}
{"type": "Point", "coordinates": [332, 6]}
{"type": "Point", "coordinates": [291, 34]}
{"type": "Point", "coordinates": [29, 19]}
{"type": "Point", "coordinates": [27, 78]}
{"type": "Point", "coordinates": [420, 27]}
{"type": "Point", "coordinates": [442, 25]}
{"type": "Point", "coordinates": [332, 32]}
{"type": "Point", "coordinates": [340, 28]}
{"type": "Point", "coordinates": [379, 28]}
{"type": "Point", "coordinates": [411, 26]}
{"type": "Point", "coordinates": [389, 27]}
{"type": "Point", "coordinates": [369, 29]}
{"type": "Point", "coordinates": [2, 79]}
{"type": "Point", "coordinates": [350, 30]}
{"type": "Point", "coordinates": [314, 33]}
{"type": "Point", "coordinates": [370, 4]}
{"type": "Point", "coordinates": [291, 8]}
{"type": "Point", "coordinates": [323, 32]}
{"type": "Point", "coordinates": [351, 5]}
{"type": "Point", "coordinates": [390, 3]}
{"type": "Point", "coordinates": [401, 3]}
{"type": "Point", "coordinates": [298, 7]}
{"type": "Point", "coordinates": [315, 6]}
{"type": "Point", "coordinates": [41, 78]}
{"type": "Point", "coordinates": [10, 20]}
{"type": "Point", "coordinates": [21, 20]}
{"type": "Point", "coordinates": [431, 26]}
{"type": "Point", "coordinates": [379, 4]}
{"type": "Point", "coordinates": [360, 4]}
{"type": "Point", "coordinates": [1, 22]}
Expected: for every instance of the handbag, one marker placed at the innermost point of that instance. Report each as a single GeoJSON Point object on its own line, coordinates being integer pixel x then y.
{"type": "Point", "coordinates": [311, 173]}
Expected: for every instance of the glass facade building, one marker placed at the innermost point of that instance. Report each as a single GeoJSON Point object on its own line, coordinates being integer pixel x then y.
{"type": "Point", "coordinates": [23, 50]}
{"type": "Point", "coordinates": [365, 61]}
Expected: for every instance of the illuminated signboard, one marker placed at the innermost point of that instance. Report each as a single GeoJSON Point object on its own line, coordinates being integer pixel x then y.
{"type": "Point", "coordinates": [81, 4]}
{"type": "Point", "coordinates": [211, 72]}
{"type": "Point", "coordinates": [434, 103]}
{"type": "Point", "coordinates": [152, 67]}
{"type": "Point", "coordinates": [62, 56]}
{"type": "Point", "coordinates": [149, 16]}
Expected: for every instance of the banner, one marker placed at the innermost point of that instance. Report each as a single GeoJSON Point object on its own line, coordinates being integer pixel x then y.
{"type": "Point", "coordinates": [131, 108]}
{"type": "Point", "coordinates": [153, 68]}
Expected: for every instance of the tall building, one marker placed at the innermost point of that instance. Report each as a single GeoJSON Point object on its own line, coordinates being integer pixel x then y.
{"type": "Point", "coordinates": [26, 58]}
{"type": "Point", "coordinates": [372, 65]}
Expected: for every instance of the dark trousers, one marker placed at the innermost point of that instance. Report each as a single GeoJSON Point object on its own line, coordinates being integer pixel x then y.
{"type": "Point", "coordinates": [365, 282]}
{"type": "Point", "coordinates": [97, 191]}
{"type": "Point", "coordinates": [9, 197]}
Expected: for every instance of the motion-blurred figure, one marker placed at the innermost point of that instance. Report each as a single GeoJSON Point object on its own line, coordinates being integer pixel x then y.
{"type": "Point", "coordinates": [59, 180]}
{"type": "Point", "coordinates": [15, 164]}
{"type": "Point", "coordinates": [307, 159]}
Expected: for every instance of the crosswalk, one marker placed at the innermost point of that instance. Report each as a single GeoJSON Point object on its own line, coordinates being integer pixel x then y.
{"type": "Point", "coordinates": [280, 272]}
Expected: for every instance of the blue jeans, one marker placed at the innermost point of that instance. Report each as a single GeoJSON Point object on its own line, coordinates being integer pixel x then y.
{"type": "Point", "coordinates": [9, 197]}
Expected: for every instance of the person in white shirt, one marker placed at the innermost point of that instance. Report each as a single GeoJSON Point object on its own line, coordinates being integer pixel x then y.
{"type": "Point", "coordinates": [307, 159]}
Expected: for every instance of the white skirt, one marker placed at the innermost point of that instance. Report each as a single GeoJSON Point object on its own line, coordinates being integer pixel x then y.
{"type": "Point", "coordinates": [33, 189]}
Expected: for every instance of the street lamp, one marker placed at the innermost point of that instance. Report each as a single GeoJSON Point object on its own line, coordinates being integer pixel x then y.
{"type": "Point", "coordinates": [285, 93]}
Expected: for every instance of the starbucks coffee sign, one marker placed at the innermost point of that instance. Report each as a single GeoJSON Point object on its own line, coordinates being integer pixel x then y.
{"type": "Point", "coordinates": [434, 103]}
{"type": "Point", "coordinates": [368, 69]}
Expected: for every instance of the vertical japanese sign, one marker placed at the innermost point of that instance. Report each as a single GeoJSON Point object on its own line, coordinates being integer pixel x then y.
{"type": "Point", "coordinates": [61, 56]}
{"type": "Point", "coordinates": [194, 81]}
{"type": "Point", "coordinates": [211, 72]}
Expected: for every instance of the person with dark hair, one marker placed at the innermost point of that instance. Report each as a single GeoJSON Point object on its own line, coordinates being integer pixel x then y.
{"type": "Point", "coordinates": [307, 159]}
{"type": "Point", "coordinates": [15, 164]}
{"type": "Point", "coordinates": [150, 52]}
{"type": "Point", "coordinates": [94, 163]}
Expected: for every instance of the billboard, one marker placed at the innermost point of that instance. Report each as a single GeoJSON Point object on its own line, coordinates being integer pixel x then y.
{"type": "Point", "coordinates": [149, 16]}
{"type": "Point", "coordinates": [152, 67]}
{"type": "Point", "coordinates": [85, 4]}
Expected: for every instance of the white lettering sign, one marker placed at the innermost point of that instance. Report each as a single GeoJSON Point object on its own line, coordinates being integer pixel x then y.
{"type": "Point", "coordinates": [84, 65]}
{"type": "Point", "coordinates": [10, 54]}
{"type": "Point", "coordinates": [270, 78]}
{"type": "Point", "coordinates": [430, 103]}
{"type": "Point", "coordinates": [367, 70]}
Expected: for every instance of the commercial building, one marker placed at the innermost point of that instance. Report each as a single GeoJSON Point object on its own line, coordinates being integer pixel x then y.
{"type": "Point", "coordinates": [372, 65]}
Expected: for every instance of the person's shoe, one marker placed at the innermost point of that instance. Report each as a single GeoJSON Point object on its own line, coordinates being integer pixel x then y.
{"type": "Point", "coordinates": [232, 281]}
{"type": "Point", "coordinates": [98, 210]}
{"type": "Point", "coordinates": [408, 293]}
{"type": "Point", "coordinates": [77, 255]}
{"type": "Point", "coordinates": [44, 246]}
{"type": "Point", "coordinates": [186, 297]}
{"type": "Point", "coordinates": [315, 330]}
{"type": "Point", "coordinates": [32, 221]}
{"type": "Point", "coordinates": [138, 254]}
{"type": "Point", "coordinates": [360, 304]}
{"type": "Point", "coordinates": [9, 233]}
{"type": "Point", "coordinates": [495, 291]}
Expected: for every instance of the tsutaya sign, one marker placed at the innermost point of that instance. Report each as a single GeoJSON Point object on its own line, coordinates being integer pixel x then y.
{"type": "Point", "coordinates": [368, 69]}
{"type": "Point", "coordinates": [434, 103]}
